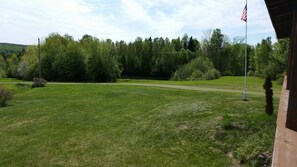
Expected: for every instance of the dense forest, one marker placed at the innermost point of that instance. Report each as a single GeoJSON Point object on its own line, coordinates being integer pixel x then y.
{"type": "Point", "coordinates": [183, 58]}
{"type": "Point", "coordinates": [7, 49]}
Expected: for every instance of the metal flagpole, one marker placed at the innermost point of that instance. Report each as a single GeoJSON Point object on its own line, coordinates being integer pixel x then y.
{"type": "Point", "coordinates": [39, 64]}
{"type": "Point", "coordinates": [244, 98]}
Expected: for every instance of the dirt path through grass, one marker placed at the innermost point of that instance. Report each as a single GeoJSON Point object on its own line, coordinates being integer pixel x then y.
{"type": "Point", "coordinates": [184, 87]}
{"type": "Point", "coordinates": [198, 88]}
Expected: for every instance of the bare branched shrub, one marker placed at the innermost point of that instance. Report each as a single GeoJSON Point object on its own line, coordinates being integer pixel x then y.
{"type": "Point", "coordinates": [38, 82]}
{"type": "Point", "coordinates": [5, 96]}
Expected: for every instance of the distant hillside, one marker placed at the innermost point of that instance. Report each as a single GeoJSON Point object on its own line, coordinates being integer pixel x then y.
{"type": "Point", "coordinates": [8, 49]}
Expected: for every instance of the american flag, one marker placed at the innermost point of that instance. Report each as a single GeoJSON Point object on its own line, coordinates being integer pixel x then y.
{"type": "Point", "coordinates": [244, 14]}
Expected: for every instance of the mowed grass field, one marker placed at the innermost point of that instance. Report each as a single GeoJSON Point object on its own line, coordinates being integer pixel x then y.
{"type": "Point", "coordinates": [128, 125]}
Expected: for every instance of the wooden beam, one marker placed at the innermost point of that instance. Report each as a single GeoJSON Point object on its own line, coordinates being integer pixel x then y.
{"type": "Point", "coordinates": [281, 12]}
{"type": "Point", "coordinates": [291, 121]}
{"type": "Point", "coordinates": [289, 66]}
{"type": "Point", "coordinates": [290, 55]}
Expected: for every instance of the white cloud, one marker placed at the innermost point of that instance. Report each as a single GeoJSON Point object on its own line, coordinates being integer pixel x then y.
{"type": "Point", "coordinates": [24, 21]}
{"type": "Point", "coordinates": [41, 17]}
{"type": "Point", "coordinates": [134, 10]}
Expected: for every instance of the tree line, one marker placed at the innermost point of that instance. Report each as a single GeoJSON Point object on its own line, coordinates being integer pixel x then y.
{"type": "Point", "coordinates": [8, 49]}
{"type": "Point", "coordinates": [182, 58]}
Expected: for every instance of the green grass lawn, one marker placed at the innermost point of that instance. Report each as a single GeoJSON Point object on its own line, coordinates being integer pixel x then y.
{"type": "Point", "coordinates": [124, 125]}
{"type": "Point", "coordinates": [9, 80]}
{"type": "Point", "coordinates": [227, 82]}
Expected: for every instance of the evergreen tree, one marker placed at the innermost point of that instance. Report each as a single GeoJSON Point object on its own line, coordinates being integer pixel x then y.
{"type": "Point", "coordinates": [216, 48]}
{"type": "Point", "coordinates": [191, 45]}
{"type": "Point", "coordinates": [268, 95]}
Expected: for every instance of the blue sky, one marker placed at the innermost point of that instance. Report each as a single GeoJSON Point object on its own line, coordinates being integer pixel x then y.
{"type": "Point", "coordinates": [24, 21]}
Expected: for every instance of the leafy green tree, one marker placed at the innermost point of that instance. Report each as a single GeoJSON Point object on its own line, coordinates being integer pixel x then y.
{"type": "Point", "coordinates": [279, 58]}
{"type": "Point", "coordinates": [12, 66]}
{"type": "Point", "coordinates": [133, 61]}
{"type": "Point", "coordinates": [233, 58]}
{"type": "Point", "coordinates": [217, 48]}
{"type": "Point", "coordinates": [252, 62]}
{"type": "Point", "coordinates": [166, 64]}
{"type": "Point", "coordinates": [229, 67]}
{"type": "Point", "coordinates": [53, 48]}
{"type": "Point", "coordinates": [88, 43]}
{"type": "Point", "coordinates": [94, 62]}
{"type": "Point", "coordinates": [102, 64]}
{"type": "Point", "coordinates": [122, 51]}
{"type": "Point", "coordinates": [64, 59]}
{"type": "Point", "coordinates": [205, 44]}
{"type": "Point", "coordinates": [271, 59]}
{"type": "Point", "coordinates": [185, 41]}
{"type": "Point", "coordinates": [70, 65]}
{"type": "Point", "coordinates": [183, 56]}
{"type": "Point", "coordinates": [27, 68]}
{"type": "Point", "coordinates": [177, 44]}
{"type": "Point", "coordinates": [147, 56]}
{"type": "Point", "coordinates": [263, 56]}
{"type": "Point", "coordinates": [2, 67]}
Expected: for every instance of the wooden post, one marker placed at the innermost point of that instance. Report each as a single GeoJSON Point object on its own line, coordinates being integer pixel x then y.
{"type": "Point", "coordinates": [290, 64]}
{"type": "Point", "coordinates": [291, 122]}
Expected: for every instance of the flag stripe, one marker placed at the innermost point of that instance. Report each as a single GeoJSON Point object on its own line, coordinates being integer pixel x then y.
{"type": "Point", "coordinates": [244, 14]}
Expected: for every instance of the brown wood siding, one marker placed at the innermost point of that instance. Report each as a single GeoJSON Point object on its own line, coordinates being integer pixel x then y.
{"type": "Point", "coordinates": [291, 122]}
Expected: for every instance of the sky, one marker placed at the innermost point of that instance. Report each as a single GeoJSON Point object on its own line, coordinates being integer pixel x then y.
{"type": "Point", "coordinates": [23, 21]}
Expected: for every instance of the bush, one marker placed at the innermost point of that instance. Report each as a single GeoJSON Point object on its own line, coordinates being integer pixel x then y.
{"type": "Point", "coordinates": [5, 96]}
{"type": "Point", "coordinates": [39, 82]}
{"type": "Point", "coordinates": [200, 68]}
{"type": "Point", "coordinates": [251, 73]}
{"type": "Point", "coordinates": [212, 74]}
{"type": "Point", "coordinates": [197, 75]}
